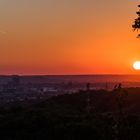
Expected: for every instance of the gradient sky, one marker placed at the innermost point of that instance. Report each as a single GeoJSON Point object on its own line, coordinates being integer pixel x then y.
{"type": "Point", "coordinates": [68, 37]}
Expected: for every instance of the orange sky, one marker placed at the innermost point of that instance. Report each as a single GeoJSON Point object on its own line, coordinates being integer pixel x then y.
{"type": "Point", "coordinates": [68, 37]}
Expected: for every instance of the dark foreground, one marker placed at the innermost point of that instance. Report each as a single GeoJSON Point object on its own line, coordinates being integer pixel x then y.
{"type": "Point", "coordinates": [96, 115]}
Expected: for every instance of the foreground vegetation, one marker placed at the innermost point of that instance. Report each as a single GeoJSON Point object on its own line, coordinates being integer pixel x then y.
{"type": "Point", "coordinates": [113, 115]}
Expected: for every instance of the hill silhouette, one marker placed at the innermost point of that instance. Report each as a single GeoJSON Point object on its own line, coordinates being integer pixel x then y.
{"type": "Point", "coordinates": [113, 115]}
{"type": "Point", "coordinates": [101, 101]}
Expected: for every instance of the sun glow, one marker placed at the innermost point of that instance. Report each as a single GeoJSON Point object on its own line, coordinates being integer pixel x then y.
{"type": "Point", "coordinates": [136, 65]}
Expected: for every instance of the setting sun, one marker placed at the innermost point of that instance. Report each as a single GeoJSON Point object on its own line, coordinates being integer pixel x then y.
{"type": "Point", "coordinates": [136, 65]}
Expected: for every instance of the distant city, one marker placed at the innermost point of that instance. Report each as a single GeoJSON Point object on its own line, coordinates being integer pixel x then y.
{"type": "Point", "coordinates": [32, 89]}
{"type": "Point", "coordinates": [15, 89]}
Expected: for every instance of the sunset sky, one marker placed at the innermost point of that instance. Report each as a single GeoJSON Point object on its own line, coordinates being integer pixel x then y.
{"type": "Point", "coordinates": [68, 37]}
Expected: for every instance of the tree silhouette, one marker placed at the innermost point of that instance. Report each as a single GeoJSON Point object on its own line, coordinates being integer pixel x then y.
{"type": "Point", "coordinates": [136, 24]}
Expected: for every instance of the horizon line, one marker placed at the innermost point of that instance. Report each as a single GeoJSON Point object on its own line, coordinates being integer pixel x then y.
{"type": "Point", "coordinates": [68, 75]}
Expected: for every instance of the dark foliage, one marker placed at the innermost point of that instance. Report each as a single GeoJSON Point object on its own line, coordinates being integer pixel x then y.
{"type": "Point", "coordinates": [65, 117]}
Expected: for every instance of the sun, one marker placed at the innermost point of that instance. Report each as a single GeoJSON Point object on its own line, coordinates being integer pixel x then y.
{"type": "Point", "coordinates": [136, 65]}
